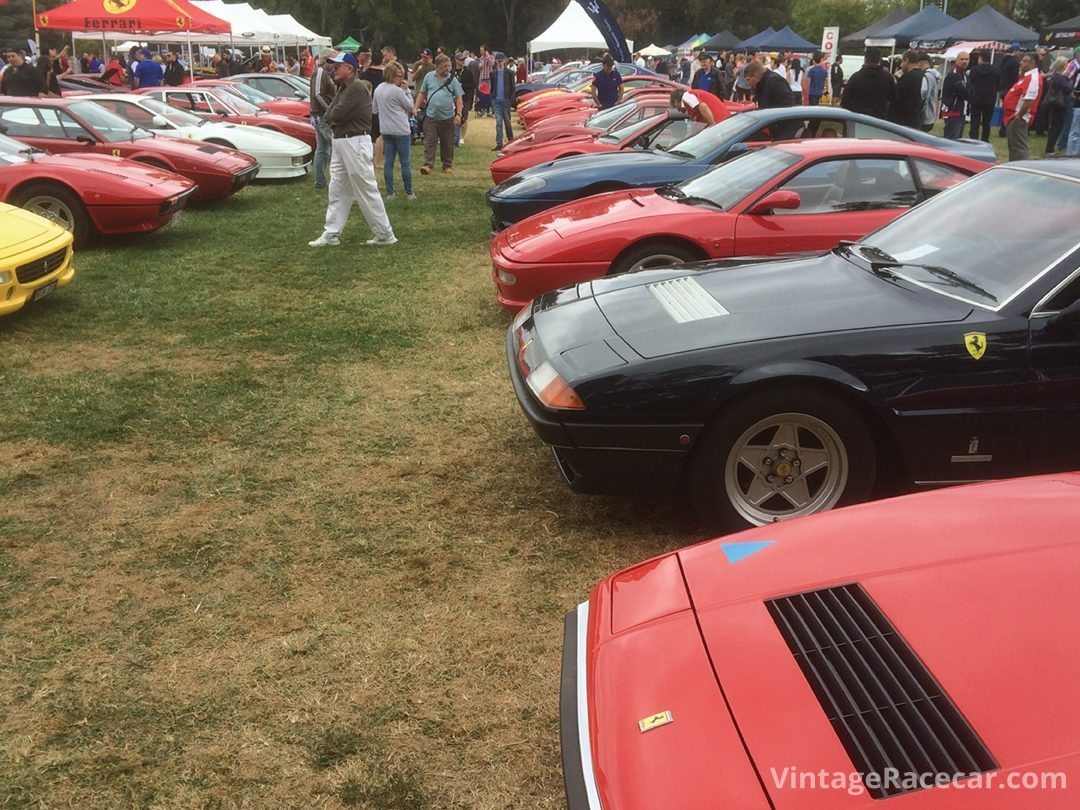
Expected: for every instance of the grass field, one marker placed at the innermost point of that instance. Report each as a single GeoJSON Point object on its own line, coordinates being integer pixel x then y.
{"type": "Point", "coordinates": [273, 529]}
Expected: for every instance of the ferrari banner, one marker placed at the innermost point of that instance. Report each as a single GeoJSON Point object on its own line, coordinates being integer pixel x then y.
{"type": "Point", "coordinates": [601, 15]}
{"type": "Point", "coordinates": [136, 16]}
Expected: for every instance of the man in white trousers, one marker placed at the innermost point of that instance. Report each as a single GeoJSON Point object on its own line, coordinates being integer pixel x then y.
{"type": "Point", "coordinates": [352, 170]}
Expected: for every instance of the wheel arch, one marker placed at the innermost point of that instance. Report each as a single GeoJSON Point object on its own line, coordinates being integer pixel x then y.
{"type": "Point", "coordinates": [53, 182]}
{"type": "Point", "coordinates": [659, 239]}
{"type": "Point", "coordinates": [823, 379]}
{"type": "Point", "coordinates": [155, 161]}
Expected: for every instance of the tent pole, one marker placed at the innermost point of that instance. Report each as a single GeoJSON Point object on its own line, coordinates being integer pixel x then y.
{"type": "Point", "coordinates": [190, 58]}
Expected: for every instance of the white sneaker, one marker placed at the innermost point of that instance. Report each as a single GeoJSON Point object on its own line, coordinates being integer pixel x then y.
{"type": "Point", "coordinates": [390, 196]}
{"type": "Point", "coordinates": [410, 196]}
{"type": "Point", "coordinates": [326, 240]}
{"type": "Point", "coordinates": [377, 241]}
{"type": "Point", "coordinates": [461, 142]}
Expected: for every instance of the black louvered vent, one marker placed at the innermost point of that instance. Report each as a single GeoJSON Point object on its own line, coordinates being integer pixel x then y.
{"type": "Point", "coordinates": [899, 727]}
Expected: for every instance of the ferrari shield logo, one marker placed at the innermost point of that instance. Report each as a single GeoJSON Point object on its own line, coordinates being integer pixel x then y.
{"type": "Point", "coordinates": [975, 343]}
{"type": "Point", "coordinates": [116, 153]}
{"type": "Point", "coordinates": [654, 721]}
{"type": "Point", "coordinates": [118, 6]}
{"type": "Point", "coordinates": [43, 21]}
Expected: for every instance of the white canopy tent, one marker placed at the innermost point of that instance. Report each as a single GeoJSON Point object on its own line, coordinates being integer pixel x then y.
{"type": "Point", "coordinates": [572, 29]}
{"type": "Point", "coordinates": [654, 50]}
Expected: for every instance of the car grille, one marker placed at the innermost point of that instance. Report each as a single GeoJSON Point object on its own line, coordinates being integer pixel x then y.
{"type": "Point", "coordinates": [244, 177]}
{"type": "Point", "coordinates": [899, 727]}
{"type": "Point", "coordinates": [177, 203]}
{"type": "Point", "coordinates": [39, 268]}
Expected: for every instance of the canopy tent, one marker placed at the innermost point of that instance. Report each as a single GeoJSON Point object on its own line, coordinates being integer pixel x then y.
{"type": "Point", "coordinates": [985, 23]}
{"type": "Point", "coordinates": [145, 16]}
{"type": "Point", "coordinates": [858, 39]}
{"type": "Point", "coordinates": [348, 44]}
{"type": "Point", "coordinates": [671, 48]}
{"type": "Point", "coordinates": [753, 41]}
{"type": "Point", "coordinates": [246, 22]}
{"type": "Point", "coordinates": [303, 35]}
{"type": "Point", "coordinates": [901, 34]}
{"type": "Point", "coordinates": [724, 41]}
{"type": "Point", "coordinates": [694, 42]}
{"type": "Point", "coordinates": [572, 29]}
{"type": "Point", "coordinates": [1063, 34]}
{"type": "Point", "coordinates": [654, 50]}
{"type": "Point", "coordinates": [787, 40]}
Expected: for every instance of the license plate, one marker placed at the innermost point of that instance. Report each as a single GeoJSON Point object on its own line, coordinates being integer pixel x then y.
{"type": "Point", "coordinates": [42, 291]}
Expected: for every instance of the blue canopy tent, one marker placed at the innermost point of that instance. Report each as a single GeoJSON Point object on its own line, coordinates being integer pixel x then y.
{"type": "Point", "coordinates": [900, 35]}
{"type": "Point", "coordinates": [787, 40]}
{"type": "Point", "coordinates": [724, 41]}
{"type": "Point", "coordinates": [756, 39]}
{"type": "Point", "coordinates": [858, 39]}
{"type": "Point", "coordinates": [985, 24]}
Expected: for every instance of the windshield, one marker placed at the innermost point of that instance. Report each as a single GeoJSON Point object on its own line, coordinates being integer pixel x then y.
{"type": "Point", "coordinates": [711, 138]}
{"type": "Point", "coordinates": [178, 117]}
{"type": "Point", "coordinates": [1016, 225]}
{"type": "Point", "coordinates": [622, 133]}
{"type": "Point", "coordinates": [730, 182]}
{"type": "Point", "coordinates": [612, 115]}
{"type": "Point", "coordinates": [236, 101]}
{"type": "Point", "coordinates": [299, 84]}
{"type": "Point", "coordinates": [110, 126]}
{"type": "Point", "coordinates": [246, 91]}
{"type": "Point", "coordinates": [11, 151]}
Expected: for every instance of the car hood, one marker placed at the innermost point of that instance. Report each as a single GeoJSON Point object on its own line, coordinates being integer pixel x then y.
{"type": "Point", "coordinates": [738, 302]}
{"type": "Point", "coordinates": [928, 566]}
{"type": "Point", "coordinates": [121, 170]}
{"type": "Point", "coordinates": [246, 138]}
{"type": "Point", "coordinates": [20, 230]}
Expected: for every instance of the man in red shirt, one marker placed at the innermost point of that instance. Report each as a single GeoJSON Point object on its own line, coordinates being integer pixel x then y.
{"type": "Point", "coordinates": [700, 105]}
{"type": "Point", "coordinates": [1019, 106]}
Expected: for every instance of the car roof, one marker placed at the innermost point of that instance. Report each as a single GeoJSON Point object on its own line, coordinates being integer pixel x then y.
{"type": "Point", "coordinates": [1065, 167]}
{"type": "Point", "coordinates": [814, 147]}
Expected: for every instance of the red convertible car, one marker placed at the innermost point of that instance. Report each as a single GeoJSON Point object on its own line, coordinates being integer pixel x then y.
{"type": "Point", "coordinates": [220, 104]}
{"type": "Point", "coordinates": [74, 126]}
{"type": "Point", "coordinates": [291, 107]}
{"type": "Point", "coordinates": [589, 123]}
{"type": "Point", "coordinates": [88, 194]}
{"type": "Point", "coordinates": [790, 197]}
{"type": "Point", "coordinates": [916, 650]}
{"type": "Point", "coordinates": [658, 131]}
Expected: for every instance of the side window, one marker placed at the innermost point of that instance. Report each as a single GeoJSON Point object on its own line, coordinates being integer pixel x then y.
{"type": "Point", "coordinates": [936, 177]}
{"type": "Point", "coordinates": [22, 122]}
{"type": "Point", "coordinates": [1067, 295]}
{"type": "Point", "coordinates": [863, 184]}
{"type": "Point", "coordinates": [268, 86]}
{"type": "Point", "coordinates": [182, 101]}
{"type": "Point", "coordinates": [132, 112]}
{"type": "Point", "coordinates": [860, 129]}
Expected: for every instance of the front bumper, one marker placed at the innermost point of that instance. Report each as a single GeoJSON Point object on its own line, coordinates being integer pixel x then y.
{"type": "Point", "coordinates": [506, 211]}
{"type": "Point", "coordinates": [30, 283]}
{"type": "Point", "coordinates": [531, 280]}
{"type": "Point", "coordinates": [579, 777]}
{"type": "Point", "coordinates": [606, 459]}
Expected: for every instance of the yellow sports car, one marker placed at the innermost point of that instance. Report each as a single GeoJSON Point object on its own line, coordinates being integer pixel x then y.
{"type": "Point", "coordinates": [35, 258]}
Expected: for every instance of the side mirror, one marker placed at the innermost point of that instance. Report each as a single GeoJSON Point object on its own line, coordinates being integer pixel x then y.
{"type": "Point", "coordinates": [85, 140]}
{"type": "Point", "coordinates": [1066, 323]}
{"type": "Point", "coordinates": [736, 150]}
{"type": "Point", "coordinates": [789, 200]}
{"type": "Point", "coordinates": [159, 122]}
{"type": "Point", "coordinates": [300, 94]}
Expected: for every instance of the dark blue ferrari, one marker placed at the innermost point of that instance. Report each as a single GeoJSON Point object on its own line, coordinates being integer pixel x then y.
{"type": "Point", "coordinates": [556, 182]}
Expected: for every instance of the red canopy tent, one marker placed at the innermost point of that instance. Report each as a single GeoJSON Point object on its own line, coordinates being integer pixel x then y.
{"type": "Point", "coordinates": [132, 16]}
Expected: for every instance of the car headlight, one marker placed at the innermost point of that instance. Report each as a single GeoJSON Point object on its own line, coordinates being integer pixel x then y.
{"type": "Point", "coordinates": [525, 186]}
{"type": "Point", "coordinates": [5, 276]}
{"type": "Point", "coordinates": [552, 390]}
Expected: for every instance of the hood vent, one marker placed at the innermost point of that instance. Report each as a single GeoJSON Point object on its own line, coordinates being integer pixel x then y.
{"type": "Point", "coordinates": [899, 727]}
{"type": "Point", "coordinates": [685, 300]}
{"type": "Point", "coordinates": [210, 149]}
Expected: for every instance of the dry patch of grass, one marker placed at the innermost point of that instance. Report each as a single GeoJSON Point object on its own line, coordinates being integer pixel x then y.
{"type": "Point", "coordinates": [262, 552]}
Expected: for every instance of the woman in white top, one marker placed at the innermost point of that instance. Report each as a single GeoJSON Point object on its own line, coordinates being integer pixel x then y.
{"type": "Point", "coordinates": [795, 77]}
{"type": "Point", "coordinates": [393, 103]}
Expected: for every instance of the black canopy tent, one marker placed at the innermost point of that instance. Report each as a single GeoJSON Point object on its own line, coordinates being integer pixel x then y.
{"type": "Point", "coordinates": [787, 40]}
{"type": "Point", "coordinates": [1064, 34]}
{"type": "Point", "coordinates": [900, 34]}
{"type": "Point", "coordinates": [757, 38]}
{"type": "Point", "coordinates": [858, 39]}
{"type": "Point", "coordinates": [724, 41]}
{"type": "Point", "coordinates": [984, 24]}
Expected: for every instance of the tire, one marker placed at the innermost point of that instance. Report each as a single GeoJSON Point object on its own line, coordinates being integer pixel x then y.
{"type": "Point", "coordinates": [653, 254]}
{"type": "Point", "coordinates": [57, 204]}
{"type": "Point", "coordinates": [782, 431]}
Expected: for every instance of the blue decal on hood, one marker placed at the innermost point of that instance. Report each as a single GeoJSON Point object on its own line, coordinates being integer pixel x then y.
{"type": "Point", "coordinates": [737, 552]}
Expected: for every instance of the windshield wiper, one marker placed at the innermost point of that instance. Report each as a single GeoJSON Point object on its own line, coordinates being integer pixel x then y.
{"type": "Point", "coordinates": [677, 194]}
{"type": "Point", "coordinates": [680, 153]}
{"type": "Point", "coordinates": [881, 261]}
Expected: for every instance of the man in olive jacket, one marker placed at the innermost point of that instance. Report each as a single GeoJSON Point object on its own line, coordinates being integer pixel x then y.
{"type": "Point", "coordinates": [352, 171]}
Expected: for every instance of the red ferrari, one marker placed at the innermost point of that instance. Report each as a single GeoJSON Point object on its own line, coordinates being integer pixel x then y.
{"type": "Point", "coordinates": [279, 106]}
{"type": "Point", "coordinates": [219, 104]}
{"type": "Point", "coordinates": [73, 126]}
{"type": "Point", "coordinates": [657, 132]}
{"type": "Point", "coordinates": [914, 651]}
{"type": "Point", "coordinates": [88, 194]}
{"type": "Point", "coordinates": [787, 198]}
{"type": "Point", "coordinates": [591, 123]}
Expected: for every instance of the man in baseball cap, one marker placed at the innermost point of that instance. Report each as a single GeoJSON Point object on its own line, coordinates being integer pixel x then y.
{"type": "Point", "coordinates": [352, 171]}
{"type": "Point", "coordinates": [422, 68]}
{"type": "Point", "coordinates": [147, 72]}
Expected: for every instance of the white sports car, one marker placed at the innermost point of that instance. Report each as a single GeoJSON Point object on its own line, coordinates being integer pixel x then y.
{"type": "Point", "coordinates": [279, 155]}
